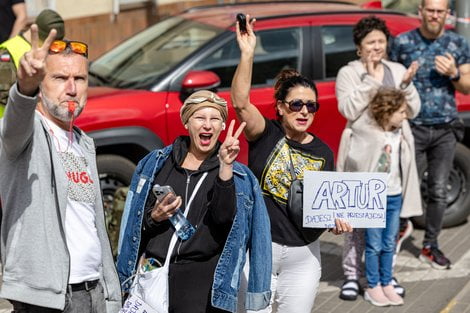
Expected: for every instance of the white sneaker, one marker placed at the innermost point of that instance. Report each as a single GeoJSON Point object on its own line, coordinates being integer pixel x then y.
{"type": "Point", "coordinates": [403, 234]}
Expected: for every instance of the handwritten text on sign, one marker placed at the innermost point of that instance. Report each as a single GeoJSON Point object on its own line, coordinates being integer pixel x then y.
{"type": "Point", "coordinates": [134, 304]}
{"type": "Point", "coordinates": [360, 198]}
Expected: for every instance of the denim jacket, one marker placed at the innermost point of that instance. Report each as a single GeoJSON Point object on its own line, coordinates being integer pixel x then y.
{"type": "Point", "coordinates": [250, 230]}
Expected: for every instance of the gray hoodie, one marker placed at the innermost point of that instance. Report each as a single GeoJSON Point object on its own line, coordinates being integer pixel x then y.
{"type": "Point", "coordinates": [35, 258]}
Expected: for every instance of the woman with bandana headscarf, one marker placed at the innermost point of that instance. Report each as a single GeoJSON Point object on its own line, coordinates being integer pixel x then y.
{"type": "Point", "coordinates": [200, 280]}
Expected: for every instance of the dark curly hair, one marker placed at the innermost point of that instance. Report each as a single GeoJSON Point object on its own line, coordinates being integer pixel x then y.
{"type": "Point", "coordinates": [288, 79]}
{"type": "Point", "coordinates": [366, 25]}
{"type": "Point", "coordinates": [386, 102]}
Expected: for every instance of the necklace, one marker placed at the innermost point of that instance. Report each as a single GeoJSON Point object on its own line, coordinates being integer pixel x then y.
{"type": "Point", "coordinates": [55, 139]}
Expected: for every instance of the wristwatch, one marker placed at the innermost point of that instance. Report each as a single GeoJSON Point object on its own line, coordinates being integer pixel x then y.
{"type": "Point", "coordinates": [456, 77]}
{"type": "Point", "coordinates": [403, 85]}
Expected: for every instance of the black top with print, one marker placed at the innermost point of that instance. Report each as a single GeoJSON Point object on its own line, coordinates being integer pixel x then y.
{"type": "Point", "coordinates": [269, 160]}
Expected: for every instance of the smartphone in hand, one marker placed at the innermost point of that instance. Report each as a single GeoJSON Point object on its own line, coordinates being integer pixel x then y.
{"type": "Point", "coordinates": [160, 192]}
{"type": "Point", "coordinates": [241, 18]}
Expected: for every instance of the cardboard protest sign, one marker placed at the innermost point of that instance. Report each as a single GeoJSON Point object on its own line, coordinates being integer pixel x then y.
{"type": "Point", "coordinates": [360, 198]}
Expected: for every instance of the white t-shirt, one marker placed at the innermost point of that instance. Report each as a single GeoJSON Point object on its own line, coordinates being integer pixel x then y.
{"type": "Point", "coordinates": [394, 176]}
{"type": "Point", "coordinates": [80, 229]}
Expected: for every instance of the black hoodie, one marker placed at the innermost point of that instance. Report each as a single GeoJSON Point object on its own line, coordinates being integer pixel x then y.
{"type": "Point", "coordinates": [211, 213]}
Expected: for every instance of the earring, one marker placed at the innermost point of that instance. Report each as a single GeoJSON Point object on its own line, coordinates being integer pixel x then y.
{"type": "Point", "coordinates": [358, 52]}
{"type": "Point", "coordinates": [223, 126]}
{"type": "Point", "coordinates": [186, 126]}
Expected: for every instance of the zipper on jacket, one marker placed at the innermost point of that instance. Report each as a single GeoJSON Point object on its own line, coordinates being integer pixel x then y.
{"type": "Point", "coordinates": [188, 180]}
{"type": "Point", "coordinates": [57, 204]}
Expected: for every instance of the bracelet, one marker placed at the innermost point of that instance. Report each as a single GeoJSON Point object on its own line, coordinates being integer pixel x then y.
{"type": "Point", "coordinates": [404, 85]}
{"type": "Point", "coordinates": [456, 77]}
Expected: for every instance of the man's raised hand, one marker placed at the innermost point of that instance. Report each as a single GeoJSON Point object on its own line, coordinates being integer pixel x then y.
{"type": "Point", "coordinates": [31, 67]}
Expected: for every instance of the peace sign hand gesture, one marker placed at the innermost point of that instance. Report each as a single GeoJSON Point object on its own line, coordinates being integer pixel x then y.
{"type": "Point", "coordinates": [229, 150]}
{"type": "Point", "coordinates": [31, 67]}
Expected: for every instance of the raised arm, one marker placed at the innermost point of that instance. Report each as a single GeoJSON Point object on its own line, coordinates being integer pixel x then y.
{"type": "Point", "coordinates": [354, 92]}
{"type": "Point", "coordinates": [229, 150]}
{"type": "Point", "coordinates": [463, 84]}
{"type": "Point", "coordinates": [31, 70]}
{"type": "Point", "coordinates": [412, 96]}
{"type": "Point", "coordinates": [447, 65]}
{"type": "Point", "coordinates": [17, 126]}
{"type": "Point", "coordinates": [241, 84]}
{"type": "Point", "coordinates": [21, 18]}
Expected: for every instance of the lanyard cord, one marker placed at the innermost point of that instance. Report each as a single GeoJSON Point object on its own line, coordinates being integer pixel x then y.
{"type": "Point", "coordinates": [174, 237]}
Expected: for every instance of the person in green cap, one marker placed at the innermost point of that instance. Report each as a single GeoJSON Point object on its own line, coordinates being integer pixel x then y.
{"type": "Point", "coordinates": [13, 49]}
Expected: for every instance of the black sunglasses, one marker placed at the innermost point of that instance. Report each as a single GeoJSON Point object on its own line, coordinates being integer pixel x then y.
{"type": "Point", "coordinates": [296, 105]}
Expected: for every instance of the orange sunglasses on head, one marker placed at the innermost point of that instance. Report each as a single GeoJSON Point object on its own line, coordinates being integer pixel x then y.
{"type": "Point", "coordinates": [77, 47]}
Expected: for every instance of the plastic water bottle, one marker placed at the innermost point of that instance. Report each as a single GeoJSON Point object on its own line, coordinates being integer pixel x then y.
{"type": "Point", "coordinates": [184, 229]}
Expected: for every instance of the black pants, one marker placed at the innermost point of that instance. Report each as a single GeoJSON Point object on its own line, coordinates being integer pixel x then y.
{"type": "Point", "coordinates": [435, 150]}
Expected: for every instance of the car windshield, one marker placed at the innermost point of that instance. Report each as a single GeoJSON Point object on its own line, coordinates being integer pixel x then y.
{"type": "Point", "coordinates": [151, 53]}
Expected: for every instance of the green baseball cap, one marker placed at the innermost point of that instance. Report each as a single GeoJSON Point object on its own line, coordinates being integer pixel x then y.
{"type": "Point", "coordinates": [47, 20]}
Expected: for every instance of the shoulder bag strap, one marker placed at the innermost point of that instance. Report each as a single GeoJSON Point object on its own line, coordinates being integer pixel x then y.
{"type": "Point", "coordinates": [174, 238]}
{"type": "Point", "coordinates": [291, 166]}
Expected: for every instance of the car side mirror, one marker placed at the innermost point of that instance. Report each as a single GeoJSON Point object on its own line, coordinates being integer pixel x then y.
{"type": "Point", "coordinates": [198, 80]}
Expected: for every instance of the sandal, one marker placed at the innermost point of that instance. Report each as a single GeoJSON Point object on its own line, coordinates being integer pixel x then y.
{"type": "Point", "coordinates": [350, 290]}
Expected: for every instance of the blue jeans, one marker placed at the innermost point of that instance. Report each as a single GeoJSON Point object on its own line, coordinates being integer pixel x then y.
{"type": "Point", "coordinates": [380, 245]}
{"type": "Point", "coordinates": [435, 150]}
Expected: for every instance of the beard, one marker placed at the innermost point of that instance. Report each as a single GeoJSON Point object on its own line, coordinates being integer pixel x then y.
{"type": "Point", "coordinates": [434, 29]}
{"type": "Point", "coordinates": [59, 111]}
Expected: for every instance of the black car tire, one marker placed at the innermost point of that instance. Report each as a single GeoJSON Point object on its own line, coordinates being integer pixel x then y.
{"type": "Point", "coordinates": [458, 195]}
{"type": "Point", "coordinates": [115, 173]}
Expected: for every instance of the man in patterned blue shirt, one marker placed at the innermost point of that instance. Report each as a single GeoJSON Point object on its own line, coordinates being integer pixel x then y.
{"type": "Point", "coordinates": [444, 67]}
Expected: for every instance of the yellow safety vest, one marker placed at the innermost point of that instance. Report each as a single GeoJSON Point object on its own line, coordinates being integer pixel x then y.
{"type": "Point", "coordinates": [16, 46]}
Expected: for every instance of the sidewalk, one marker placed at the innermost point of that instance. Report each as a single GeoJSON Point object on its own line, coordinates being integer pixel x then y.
{"type": "Point", "coordinates": [427, 290]}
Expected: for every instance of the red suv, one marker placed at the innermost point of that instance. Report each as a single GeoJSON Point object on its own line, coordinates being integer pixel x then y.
{"type": "Point", "coordinates": [139, 86]}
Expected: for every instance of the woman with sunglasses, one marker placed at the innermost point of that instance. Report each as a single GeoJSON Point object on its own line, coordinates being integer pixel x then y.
{"type": "Point", "coordinates": [356, 85]}
{"type": "Point", "coordinates": [273, 146]}
{"type": "Point", "coordinates": [220, 197]}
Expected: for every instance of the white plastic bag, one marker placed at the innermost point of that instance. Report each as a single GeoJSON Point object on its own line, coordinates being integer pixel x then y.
{"type": "Point", "coordinates": [149, 292]}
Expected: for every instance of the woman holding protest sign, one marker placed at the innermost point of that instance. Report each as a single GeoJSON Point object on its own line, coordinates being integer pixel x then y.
{"type": "Point", "coordinates": [369, 146]}
{"type": "Point", "coordinates": [279, 153]}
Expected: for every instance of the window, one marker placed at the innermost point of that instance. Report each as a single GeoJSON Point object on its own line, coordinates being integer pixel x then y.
{"type": "Point", "coordinates": [276, 50]}
{"type": "Point", "coordinates": [338, 47]}
{"type": "Point", "coordinates": [147, 56]}
{"type": "Point", "coordinates": [34, 7]}
{"type": "Point", "coordinates": [121, 2]}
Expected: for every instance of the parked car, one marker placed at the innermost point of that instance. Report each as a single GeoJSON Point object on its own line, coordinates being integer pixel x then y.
{"type": "Point", "coordinates": [139, 86]}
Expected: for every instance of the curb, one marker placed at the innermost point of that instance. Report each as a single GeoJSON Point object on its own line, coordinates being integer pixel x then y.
{"type": "Point", "coordinates": [460, 302]}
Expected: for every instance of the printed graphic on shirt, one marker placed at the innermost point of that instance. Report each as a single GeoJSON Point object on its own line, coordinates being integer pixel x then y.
{"type": "Point", "coordinates": [436, 91]}
{"type": "Point", "coordinates": [276, 178]}
{"type": "Point", "coordinates": [385, 160]}
{"type": "Point", "coordinates": [80, 185]}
